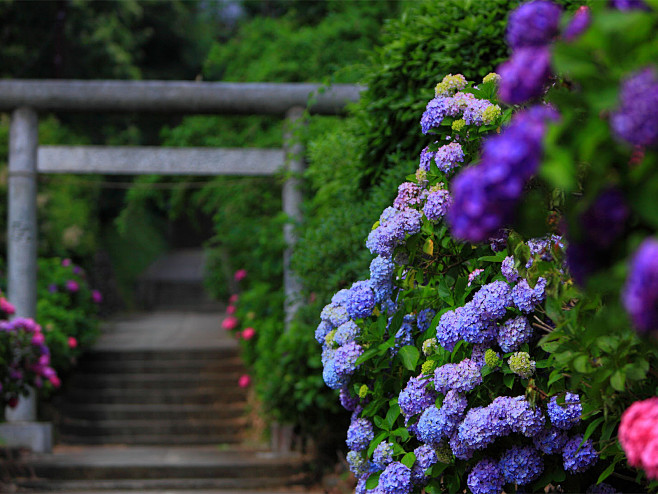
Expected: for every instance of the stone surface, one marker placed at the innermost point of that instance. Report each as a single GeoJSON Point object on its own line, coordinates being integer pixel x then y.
{"type": "Point", "coordinates": [37, 436]}
{"type": "Point", "coordinates": [125, 160]}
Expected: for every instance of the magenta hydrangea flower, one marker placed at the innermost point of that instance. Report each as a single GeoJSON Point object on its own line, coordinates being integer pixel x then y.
{"type": "Point", "coordinates": [533, 24]}
{"type": "Point", "coordinates": [640, 293]}
{"type": "Point", "coordinates": [72, 286]}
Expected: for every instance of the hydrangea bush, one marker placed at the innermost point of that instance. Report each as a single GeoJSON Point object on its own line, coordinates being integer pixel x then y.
{"type": "Point", "coordinates": [481, 365]}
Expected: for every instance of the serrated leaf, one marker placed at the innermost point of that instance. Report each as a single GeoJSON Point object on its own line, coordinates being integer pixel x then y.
{"type": "Point", "coordinates": [408, 460]}
{"type": "Point", "coordinates": [381, 423]}
{"type": "Point", "coordinates": [409, 356]}
{"type": "Point", "coordinates": [402, 433]}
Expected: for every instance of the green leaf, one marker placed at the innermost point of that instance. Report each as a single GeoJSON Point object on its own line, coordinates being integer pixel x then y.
{"type": "Point", "coordinates": [373, 480]}
{"type": "Point", "coordinates": [581, 364]}
{"type": "Point", "coordinates": [428, 247]}
{"type": "Point", "coordinates": [617, 380]}
{"type": "Point", "coordinates": [375, 442]}
{"type": "Point", "coordinates": [509, 380]}
{"type": "Point", "coordinates": [409, 459]}
{"type": "Point", "coordinates": [606, 473]}
{"type": "Point", "coordinates": [367, 355]}
{"type": "Point", "coordinates": [409, 356]}
{"type": "Point", "coordinates": [592, 427]}
{"type": "Point", "coordinates": [402, 433]}
{"type": "Point", "coordinates": [391, 416]}
{"type": "Point", "coordinates": [381, 423]}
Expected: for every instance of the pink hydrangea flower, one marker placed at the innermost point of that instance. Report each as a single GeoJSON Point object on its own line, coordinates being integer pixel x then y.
{"type": "Point", "coordinates": [230, 309]}
{"type": "Point", "coordinates": [38, 339]}
{"type": "Point", "coordinates": [6, 306]}
{"type": "Point", "coordinates": [230, 323]}
{"type": "Point", "coordinates": [244, 381]}
{"type": "Point", "coordinates": [240, 274]}
{"type": "Point", "coordinates": [233, 299]}
{"type": "Point", "coordinates": [96, 296]}
{"type": "Point", "coordinates": [638, 435]}
{"type": "Point", "coordinates": [72, 286]}
{"type": "Point", "coordinates": [66, 262]}
{"type": "Point", "coordinates": [248, 333]}
{"type": "Point", "coordinates": [73, 343]}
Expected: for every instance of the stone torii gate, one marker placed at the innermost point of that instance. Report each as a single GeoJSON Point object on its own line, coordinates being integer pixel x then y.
{"type": "Point", "coordinates": [25, 98]}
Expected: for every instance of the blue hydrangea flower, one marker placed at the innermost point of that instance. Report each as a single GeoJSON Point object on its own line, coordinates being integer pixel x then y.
{"type": "Point", "coordinates": [520, 415]}
{"type": "Point", "coordinates": [493, 299]}
{"type": "Point", "coordinates": [396, 479]}
{"type": "Point", "coordinates": [533, 24]}
{"type": "Point", "coordinates": [436, 204]}
{"type": "Point", "coordinates": [460, 448]}
{"type": "Point", "coordinates": [461, 377]}
{"type": "Point", "coordinates": [543, 247]}
{"type": "Point", "coordinates": [328, 354]}
{"type": "Point", "coordinates": [447, 331]}
{"type": "Point", "coordinates": [565, 416]}
{"type": "Point", "coordinates": [393, 226]}
{"type": "Point", "coordinates": [335, 314]}
{"type": "Point", "coordinates": [508, 270]}
{"type": "Point", "coordinates": [383, 454]}
{"type": "Point", "coordinates": [435, 111]}
{"type": "Point", "coordinates": [482, 426]}
{"type": "Point", "coordinates": [424, 319]}
{"type": "Point", "coordinates": [477, 355]}
{"type": "Point", "coordinates": [359, 434]}
{"type": "Point", "coordinates": [635, 121]}
{"type": "Point", "coordinates": [340, 297]}
{"type": "Point", "coordinates": [426, 157]}
{"type": "Point", "coordinates": [513, 333]}
{"type": "Point", "coordinates": [331, 378]}
{"type": "Point", "coordinates": [521, 465]}
{"type": "Point", "coordinates": [345, 358]}
{"type": "Point", "coordinates": [360, 300]}
{"type": "Point", "coordinates": [640, 293]}
{"type": "Point", "coordinates": [486, 478]}
{"type": "Point", "coordinates": [359, 465]}
{"type": "Point", "coordinates": [550, 441]}
{"type": "Point", "coordinates": [454, 405]}
{"type": "Point", "coordinates": [526, 298]}
{"type": "Point", "coordinates": [601, 488]}
{"type": "Point", "coordinates": [472, 326]}
{"type": "Point", "coordinates": [381, 277]}
{"type": "Point", "coordinates": [346, 333]}
{"type": "Point", "coordinates": [579, 458]}
{"type": "Point", "coordinates": [322, 331]}
{"type": "Point", "coordinates": [416, 396]}
{"type": "Point", "coordinates": [448, 156]}
{"type": "Point", "coordinates": [404, 335]}
{"type": "Point", "coordinates": [425, 458]}
{"type": "Point", "coordinates": [434, 424]}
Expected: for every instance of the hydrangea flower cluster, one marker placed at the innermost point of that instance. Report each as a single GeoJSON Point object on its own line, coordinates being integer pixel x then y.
{"type": "Point", "coordinates": [638, 435]}
{"type": "Point", "coordinates": [640, 293]}
{"type": "Point", "coordinates": [565, 415]}
{"type": "Point", "coordinates": [635, 121]}
{"type": "Point", "coordinates": [448, 157]}
{"type": "Point", "coordinates": [578, 456]}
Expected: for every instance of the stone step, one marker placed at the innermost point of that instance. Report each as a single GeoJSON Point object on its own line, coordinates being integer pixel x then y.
{"type": "Point", "coordinates": [154, 381]}
{"type": "Point", "coordinates": [81, 427]}
{"type": "Point", "coordinates": [171, 486]}
{"type": "Point", "coordinates": [197, 396]}
{"type": "Point", "coordinates": [151, 439]}
{"type": "Point", "coordinates": [168, 355]}
{"type": "Point", "coordinates": [152, 412]}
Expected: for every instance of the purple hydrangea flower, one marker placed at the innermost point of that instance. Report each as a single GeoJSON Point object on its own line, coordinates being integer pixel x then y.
{"type": "Point", "coordinates": [437, 204]}
{"type": "Point", "coordinates": [481, 427]}
{"type": "Point", "coordinates": [460, 448]}
{"type": "Point", "coordinates": [550, 441]}
{"type": "Point", "coordinates": [461, 377]}
{"type": "Point", "coordinates": [404, 335]}
{"type": "Point", "coordinates": [477, 355]}
{"type": "Point", "coordinates": [347, 400]}
{"type": "Point", "coordinates": [340, 297]}
{"type": "Point", "coordinates": [498, 241]}
{"type": "Point", "coordinates": [448, 156]}
{"type": "Point", "coordinates": [323, 329]}
{"type": "Point", "coordinates": [578, 24]}
{"type": "Point", "coordinates": [521, 465]}
{"type": "Point", "coordinates": [383, 454]}
{"type": "Point", "coordinates": [434, 424]}
{"type": "Point", "coordinates": [345, 358]}
{"type": "Point", "coordinates": [396, 479]}
{"type": "Point", "coordinates": [486, 478]}
{"type": "Point", "coordinates": [435, 111]}
{"type": "Point", "coordinates": [520, 415]}
{"type": "Point", "coordinates": [640, 293]}
{"type": "Point", "coordinates": [359, 434]}
{"type": "Point", "coordinates": [625, 5]}
{"type": "Point", "coordinates": [416, 396]}
{"type": "Point", "coordinates": [424, 319]}
{"type": "Point", "coordinates": [526, 298]}
{"type": "Point", "coordinates": [513, 333]}
{"type": "Point", "coordinates": [393, 227]}
{"type": "Point", "coordinates": [409, 195]}
{"type": "Point", "coordinates": [346, 333]}
{"type": "Point", "coordinates": [601, 488]}
{"type": "Point", "coordinates": [361, 300]}
{"type": "Point", "coordinates": [605, 220]}
{"type": "Point", "coordinates": [493, 299]}
{"type": "Point", "coordinates": [508, 270]}
{"type": "Point", "coordinates": [533, 24]}
{"type": "Point", "coordinates": [484, 197]}
{"type": "Point", "coordinates": [426, 157]}
{"type": "Point", "coordinates": [454, 405]}
{"type": "Point", "coordinates": [472, 327]}
{"type": "Point", "coordinates": [579, 458]}
{"type": "Point", "coordinates": [524, 75]}
{"type": "Point", "coordinates": [566, 415]}
{"type": "Point", "coordinates": [425, 458]}
{"type": "Point", "coordinates": [636, 119]}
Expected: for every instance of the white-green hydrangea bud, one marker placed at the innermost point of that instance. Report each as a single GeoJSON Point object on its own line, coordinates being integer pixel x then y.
{"type": "Point", "coordinates": [444, 453]}
{"type": "Point", "coordinates": [458, 125]}
{"type": "Point", "coordinates": [492, 359]}
{"type": "Point", "coordinates": [521, 365]}
{"type": "Point", "coordinates": [491, 77]}
{"type": "Point", "coordinates": [363, 391]}
{"type": "Point", "coordinates": [428, 367]}
{"type": "Point", "coordinates": [449, 84]}
{"type": "Point", "coordinates": [429, 346]}
{"type": "Point", "coordinates": [421, 176]}
{"type": "Point", "coordinates": [490, 114]}
{"type": "Point", "coordinates": [329, 339]}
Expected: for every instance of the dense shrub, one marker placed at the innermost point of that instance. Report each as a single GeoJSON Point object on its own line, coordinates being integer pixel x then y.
{"type": "Point", "coordinates": [515, 348]}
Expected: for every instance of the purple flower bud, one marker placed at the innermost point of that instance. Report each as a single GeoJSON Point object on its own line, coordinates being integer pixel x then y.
{"type": "Point", "coordinates": [524, 75]}
{"type": "Point", "coordinates": [578, 24]}
{"type": "Point", "coordinates": [640, 294]}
